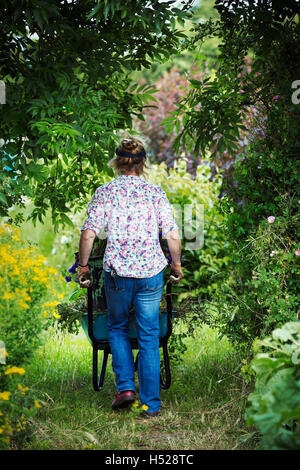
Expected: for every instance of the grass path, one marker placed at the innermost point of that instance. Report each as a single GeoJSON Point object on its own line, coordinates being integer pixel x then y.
{"type": "Point", "coordinates": [203, 409]}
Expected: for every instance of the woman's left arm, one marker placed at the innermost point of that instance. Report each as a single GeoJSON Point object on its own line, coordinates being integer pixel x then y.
{"type": "Point", "coordinates": [91, 227]}
{"type": "Point", "coordinates": [85, 246]}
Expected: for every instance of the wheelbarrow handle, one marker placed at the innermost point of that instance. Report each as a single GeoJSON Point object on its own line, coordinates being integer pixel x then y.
{"type": "Point", "coordinates": [90, 315]}
{"type": "Point", "coordinates": [169, 297]}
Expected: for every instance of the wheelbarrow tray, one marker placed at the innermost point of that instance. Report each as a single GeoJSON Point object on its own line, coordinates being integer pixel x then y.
{"type": "Point", "coordinates": [100, 327]}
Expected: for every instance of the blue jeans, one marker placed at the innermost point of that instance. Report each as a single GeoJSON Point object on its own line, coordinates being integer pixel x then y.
{"type": "Point", "coordinates": [145, 294]}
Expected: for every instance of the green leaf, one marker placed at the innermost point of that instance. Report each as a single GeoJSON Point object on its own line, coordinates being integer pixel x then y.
{"type": "Point", "coordinates": [38, 171]}
{"type": "Point", "coordinates": [66, 220]}
{"type": "Point", "coordinates": [3, 199]}
{"type": "Point", "coordinates": [38, 18]}
{"type": "Point", "coordinates": [94, 11]}
{"type": "Point", "coordinates": [106, 11]}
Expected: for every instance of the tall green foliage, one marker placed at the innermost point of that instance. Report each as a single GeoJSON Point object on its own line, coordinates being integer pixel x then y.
{"type": "Point", "coordinates": [269, 31]}
{"type": "Point", "coordinates": [265, 181]}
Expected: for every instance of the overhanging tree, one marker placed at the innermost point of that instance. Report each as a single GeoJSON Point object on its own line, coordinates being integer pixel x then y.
{"type": "Point", "coordinates": [214, 111]}
{"type": "Point", "coordinates": [66, 67]}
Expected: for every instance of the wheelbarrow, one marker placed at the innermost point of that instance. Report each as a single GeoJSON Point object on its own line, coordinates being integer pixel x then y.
{"type": "Point", "coordinates": [94, 324]}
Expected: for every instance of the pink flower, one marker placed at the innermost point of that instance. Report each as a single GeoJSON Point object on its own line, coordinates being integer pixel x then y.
{"type": "Point", "coordinates": [297, 252]}
{"type": "Point", "coordinates": [276, 97]}
{"type": "Point", "coordinates": [271, 219]}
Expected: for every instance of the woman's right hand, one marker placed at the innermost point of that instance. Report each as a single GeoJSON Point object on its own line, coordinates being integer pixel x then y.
{"type": "Point", "coordinates": [176, 273]}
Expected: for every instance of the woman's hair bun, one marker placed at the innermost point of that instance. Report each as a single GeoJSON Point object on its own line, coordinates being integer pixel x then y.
{"type": "Point", "coordinates": [125, 159]}
{"type": "Point", "coordinates": [129, 144]}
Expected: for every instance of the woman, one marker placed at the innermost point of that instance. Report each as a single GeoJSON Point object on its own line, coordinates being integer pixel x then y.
{"type": "Point", "coordinates": [131, 210]}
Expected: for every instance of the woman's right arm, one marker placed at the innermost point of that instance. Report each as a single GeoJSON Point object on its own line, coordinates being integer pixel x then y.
{"type": "Point", "coordinates": [174, 244]}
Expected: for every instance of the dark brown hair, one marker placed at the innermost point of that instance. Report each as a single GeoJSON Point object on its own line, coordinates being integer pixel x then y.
{"type": "Point", "coordinates": [124, 164]}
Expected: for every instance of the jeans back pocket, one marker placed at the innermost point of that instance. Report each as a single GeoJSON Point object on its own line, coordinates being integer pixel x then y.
{"type": "Point", "coordinates": [155, 282]}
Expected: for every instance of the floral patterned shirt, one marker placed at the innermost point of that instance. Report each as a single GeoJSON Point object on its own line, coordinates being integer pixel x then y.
{"type": "Point", "coordinates": [130, 211]}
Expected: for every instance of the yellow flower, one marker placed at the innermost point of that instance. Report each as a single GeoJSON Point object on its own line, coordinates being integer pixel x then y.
{"type": "Point", "coordinates": [7, 296]}
{"type": "Point", "coordinates": [56, 315]}
{"type": "Point", "coordinates": [51, 304]}
{"type": "Point", "coordinates": [36, 404]}
{"type": "Point", "coordinates": [4, 395]}
{"type": "Point", "coordinates": [23, 304]}
{"type": "Point", "coordinates": [145, 407]}
{"type": "Point", "coordinates": [9, 429]}
{"type": "Point", "coordinates": [15, 370]}
{"type": "Point", "coordinates": [22, 389]}
{"type": "Point", "coordinates": [135, 405]}
{"type": "Point", "coordinates": [51, 270]}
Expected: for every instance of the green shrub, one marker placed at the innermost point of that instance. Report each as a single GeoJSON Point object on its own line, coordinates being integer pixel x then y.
{"type": "Point", "coordinates": [25, 285]}
{"type": "Point", "coordinates": [274, 405]}
{"type": "Point", "coordinates": [261, 291]}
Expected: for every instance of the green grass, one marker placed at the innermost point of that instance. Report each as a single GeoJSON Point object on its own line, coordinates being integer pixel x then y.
{"type": "Point", "coordinates": [203, 409]}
